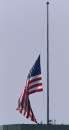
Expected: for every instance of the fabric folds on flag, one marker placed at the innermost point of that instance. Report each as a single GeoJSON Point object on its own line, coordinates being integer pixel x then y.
{"type": "Point", "coordinates": [24, 106]}
{"type": "Point", "coordinates": [33, 85]}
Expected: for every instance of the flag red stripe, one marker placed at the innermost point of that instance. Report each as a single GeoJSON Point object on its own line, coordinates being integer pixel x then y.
{"type": "Point", "coordinates": [33, 91]}
{"type": "Point", "coordinates": [34, 86]}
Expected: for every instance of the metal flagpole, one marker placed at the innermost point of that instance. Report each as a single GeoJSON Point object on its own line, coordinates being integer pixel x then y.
{"type": "Point", "coordinates": [47, 63]}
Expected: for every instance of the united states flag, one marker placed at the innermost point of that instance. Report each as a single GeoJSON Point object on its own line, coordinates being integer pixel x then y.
{"type": "Point", "coordinates": [33, 84]}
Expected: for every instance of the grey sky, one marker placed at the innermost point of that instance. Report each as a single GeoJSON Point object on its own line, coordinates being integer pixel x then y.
{"type": "Point", "coordinates": [22, 38]}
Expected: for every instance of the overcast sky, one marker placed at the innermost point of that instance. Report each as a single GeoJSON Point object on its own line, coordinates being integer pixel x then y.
{"type": "Point", "coordinates": [22, 38]}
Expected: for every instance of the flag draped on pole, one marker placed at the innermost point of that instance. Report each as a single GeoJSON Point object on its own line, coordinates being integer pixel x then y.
{"type": "Point", "coordinates": [33, 84]}
{"type": "Point", "coordinates": [24, 106]}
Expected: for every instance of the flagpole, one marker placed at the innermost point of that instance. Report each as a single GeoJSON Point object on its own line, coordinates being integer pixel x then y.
{"type": "Point", "coordinates": [47, 63]}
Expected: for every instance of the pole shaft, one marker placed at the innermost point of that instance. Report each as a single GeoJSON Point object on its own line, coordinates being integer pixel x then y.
{"type": "Point", "coordinates": [47, 63]}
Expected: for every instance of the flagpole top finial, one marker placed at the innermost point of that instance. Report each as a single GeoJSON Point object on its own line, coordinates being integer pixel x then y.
{"type": "Point", "coordinates": [47, 2]}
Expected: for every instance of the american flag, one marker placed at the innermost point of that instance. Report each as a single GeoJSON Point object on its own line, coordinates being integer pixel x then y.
{"type": "Point", "coordinates": [33, 84]}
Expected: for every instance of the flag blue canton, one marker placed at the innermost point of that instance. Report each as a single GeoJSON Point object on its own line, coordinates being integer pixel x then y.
{"type": "Point", "coordinates": [36, 69]}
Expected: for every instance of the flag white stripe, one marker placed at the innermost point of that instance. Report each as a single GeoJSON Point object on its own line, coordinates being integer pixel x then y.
{"type": "Point", "coordinates": [35, 82]}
